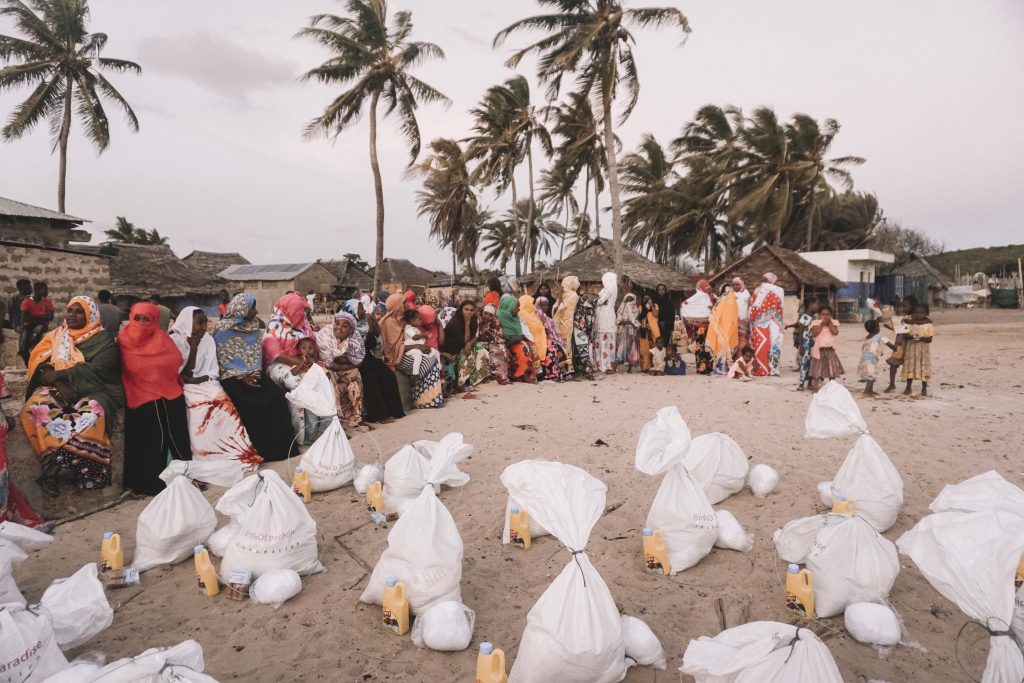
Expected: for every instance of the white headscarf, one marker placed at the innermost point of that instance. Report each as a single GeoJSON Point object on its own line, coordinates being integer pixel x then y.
{"type": "Point", "coordinates": [609, 291]}
{"type": "Point", "coordinates": [206, 354]}
{"type": "Point", "coordinates": [768, 285]}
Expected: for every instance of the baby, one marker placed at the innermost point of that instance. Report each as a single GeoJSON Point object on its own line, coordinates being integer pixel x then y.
{"type": "Point", "coordinates": [743, 368]}
{"type": "Point", "coordinates": [415, 345]}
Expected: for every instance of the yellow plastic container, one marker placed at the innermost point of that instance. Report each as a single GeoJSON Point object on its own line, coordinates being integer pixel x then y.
{"type": "Point", "coordinates": [1020, 572]}
{"type": "Point", "coordinates": [519, 528]}
{"type": "Point", "coordinates": [656, 552]}
{"type": "Point", "coordinates": [800, 591]}
{"type": "Point", "coordinates": [375, 496]}
{"type": "Point", "coordinates": [111, 555]}
{"type": "Point", "coordinates": [206, 573]}
{"type": "Point", "coordinates": [396, 607]}
{"type": "Point", "coordinates": [490, 665]}
{"type": "Point", "coordinates": [843, 506]}
{"type": "Point", "coordinates": [301, 485]}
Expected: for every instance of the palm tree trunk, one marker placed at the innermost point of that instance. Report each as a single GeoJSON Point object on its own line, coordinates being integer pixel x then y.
{"type": "Point", "coordinates": [586, 202]}
{"type": "Point", "coordinates": [810, 224]}
{"type": "Point", "coordinates": [613, 183]}
{"type": "Point", "coordinates": [729, 228]}
{"type": "Point", "coordinates": [378, 188]}
{"type": "Point", "coordinates": [65, 133]}
{"type": "Point", "coordinates": [597, 211]}
{"type": "Point", "coordinates": [530, 212]}
{"type": "Point", "coordinates": [561, 248]}
{"type": "Point", "coordinates": [515, 219]}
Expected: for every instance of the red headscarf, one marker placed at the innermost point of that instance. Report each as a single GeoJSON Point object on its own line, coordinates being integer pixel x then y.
{"type": "Point", "coordinates": [149, 358]}
{"type": "Point", "coordinates": [428, 325]}
{"type": "Point", "coordinates": [410, 300]}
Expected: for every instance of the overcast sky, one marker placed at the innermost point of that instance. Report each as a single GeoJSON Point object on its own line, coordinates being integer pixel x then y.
{"type": "Point", "coordinates": [928, 91]}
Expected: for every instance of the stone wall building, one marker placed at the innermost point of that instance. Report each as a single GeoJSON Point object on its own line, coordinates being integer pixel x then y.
{"type": "Point", "coordinates": [268, 283]}
{"type": "Point", "coordinates": [68, 272]}
{"type": "Point", "coordinates": [20, 222]}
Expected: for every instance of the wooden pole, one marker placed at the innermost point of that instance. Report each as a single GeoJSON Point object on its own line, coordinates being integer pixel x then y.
{"type": "Point", "coordinates": [1020, 285]}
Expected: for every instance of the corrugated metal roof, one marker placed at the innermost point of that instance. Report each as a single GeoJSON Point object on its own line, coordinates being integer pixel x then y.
{"type": "Point", "coordinates": [9, 207]}
{"type": "Point", "coordinates": [274, 271]}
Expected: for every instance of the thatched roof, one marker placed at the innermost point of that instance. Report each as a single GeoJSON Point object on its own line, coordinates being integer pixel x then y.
{"type": "Point", "coordinates": [349, 276]}
{"type": "Point", "coordinates": [144, 269]}
{"type": "Point", "coordinates": [919, 267]}
{"type": "Point", "coordinates": [597, 259]}
{"type": "Point", "coordinates": [405, 272]}
{"type": "Point", "coordinates": [792, 270]}
{"type": "Point", "coordinates": [213, 261]}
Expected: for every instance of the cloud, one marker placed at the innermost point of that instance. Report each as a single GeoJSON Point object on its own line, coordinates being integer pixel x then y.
{"type": "Point", "coordinates": [219, 65]}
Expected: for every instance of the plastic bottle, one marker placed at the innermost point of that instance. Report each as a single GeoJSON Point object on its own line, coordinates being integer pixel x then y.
{"type": "Point", "coordinates": [375, 496]}
{"type": "Point", "coordinates": [656, 552]}
{"type": "Point", "coordinates": [842, 506]}
{"type": "Point", "coordinates": [206, 574]}
{"type": "Point", "coordinates": [800, 591]}
{"type": "Point", "coordinates": [301, 486]}
{"type": "Point", "coordinates": [396, 607]}
{"type": "Point", "coordinates": [519, 528]}
{"type": "Point", "coordinates": [1019, 579]}
{"type": "Point", "coordinates": [490, 665]}
{"type": "Point", "coordinates": [111, 555]}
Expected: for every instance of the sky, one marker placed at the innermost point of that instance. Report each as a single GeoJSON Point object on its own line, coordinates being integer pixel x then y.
{"type": "Point", "coordinates": [928, 91]}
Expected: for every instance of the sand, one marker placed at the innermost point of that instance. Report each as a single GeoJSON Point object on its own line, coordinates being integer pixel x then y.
{"type": "Point", "coordinates": [970, 425]}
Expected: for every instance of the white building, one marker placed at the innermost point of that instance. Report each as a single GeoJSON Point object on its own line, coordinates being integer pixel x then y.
{"type": "Point", "coordinates": [855, 267]}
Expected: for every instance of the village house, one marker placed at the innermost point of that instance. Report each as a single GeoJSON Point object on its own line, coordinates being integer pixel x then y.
{"type": "Point", "coordinates": [214, 262]}
{"type": "Point", "coordinates": [399, 275]}
{"type": "Point", "coordinates": [268, 283]}
{"type": "Point", "coordinates": [351, 280]}
{"type": "Point", "coordinates": [29, 224]}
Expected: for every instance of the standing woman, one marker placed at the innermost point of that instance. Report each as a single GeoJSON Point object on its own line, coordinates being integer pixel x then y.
{"type": "Point", "coordinates": [342, 351]}
{"type": "Point", "coordinates": [520, 360]}
{"type": "Point", "coordinates": [155, 416]}
{"type": "Point", "coordinates": [555, 341]}
{"type": "Point", "coordinates": [469, 356]}
{"type": "Point", "coordinates": [605, 325]}
{"type": "Point", "coordinates": [626, 350]}
{"type": "Point", "coordinates": [565, 313]}
{"type": "Point", "coordinates": [666, 313]}
{"type": "Point", "coordinates": [427, 387]}
{"type": "Point", "coordinates": [544, 350]}
{"type": "Point", "coordinates": [490, 334]}
{"type": "Point", "coordinates": [695, 312]}
{"type": "Point", "coordinates": [650, 330]}
{"type": "Point", "coordinates": [766, 326]}
{"type": "Point", "coordinates": [742, 311]}
{"type": "Point", "coordinates": [260, 403]}
{"type": "Point", "coordinates": [723, 332]}
{"type": "Point", "coordinates": [583, 327]}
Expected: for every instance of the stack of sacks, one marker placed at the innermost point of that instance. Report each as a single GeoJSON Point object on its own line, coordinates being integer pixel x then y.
{"type": "Point", "coordinates": [330, 460]}
{"type": "Point", "coordinates": [406, 472]}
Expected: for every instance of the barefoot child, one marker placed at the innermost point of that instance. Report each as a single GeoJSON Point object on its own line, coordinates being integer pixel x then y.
{"type": "Point", "coordinates": [898, 325]}
{"type": "Point", "coordinates": [824, 359]}
{"type": "Point", "coordinates": [658, 357]}
{"type": "Point", "coordinates": [871, 354]}
{"type": "Point", "coordinates": [917, 361]}
{"type": "Point", "coordinates": [743, 368]}
{"type": "Point", "coordinates": [674, 363]}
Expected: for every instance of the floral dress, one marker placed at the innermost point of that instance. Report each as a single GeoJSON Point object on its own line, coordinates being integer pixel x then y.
{"type": "Point", "coordinates": [583, 324]}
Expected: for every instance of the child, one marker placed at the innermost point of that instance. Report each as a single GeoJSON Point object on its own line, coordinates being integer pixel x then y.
{"type": "Point", "coordinates": [917, 361]}
{"type": "Point", "coordinates": [898, 325]}
{"type": "Point", "coordinates": [415, 343]}
{"type": "Point", "coordinates": [805, 343]}
{"type": "Point", "coordinates": [870, 354]}
{"type": "Point", "coordinates": [658, 357]}
{"type": "Point", "coordinates": [743, 368]}
{"type": "Point", "coordinates": [313, 425]}
{"type": "Point", "coordinates": [824, 359]}
{"type": "Point", "coordinates": [674, 363]}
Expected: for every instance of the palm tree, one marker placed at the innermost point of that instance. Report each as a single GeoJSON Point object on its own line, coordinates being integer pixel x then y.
{"type": "Point", "coordinates": [649, 179]}
{"type": "Point", "coordinates": [557, 194]}
{"type": "Point", "coordinates": [501, 237]}
{"type": "Point", "coordinates": [500, 242]}
{"type": "Point", "coordinates": [373, 61]}
{"type": "Point", "coordinates": [123, 231]}
{"type": "Point", "coordinates": [849, 220]}
{"type": "Point", "coordinates": [582, 148]}
{"type": "Point", "coordinates": [591, 40]}
{"type": "Point", "coordinates": [449, 199]}
{"type": "Point", "coordinates": [62, 59]}
{"type": "Point", "coordinates": [153, 237]}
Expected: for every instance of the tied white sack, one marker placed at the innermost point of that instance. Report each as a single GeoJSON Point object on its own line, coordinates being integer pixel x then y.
{"type": "Point", "coordinates": [446, 627]}
{"type": "Point", "coordinates": [408, 470]}
{"type": "Point", "coordinates": [642, 646]}
{"type": "Point", "coordinates": [424, 552]}
{"type": "Point", "coordinates": [276, 531]}
{"type": "Point", "coordinates": [183, 662]}
{"type": "Point", "coordinates": [873, 623]}
{"type": "Point", "coordinates": [762, 480]}
{"type": "Point", "coordinates": [28, 648]}
{"type": "Point", "coordinates": [761, 652]}
{"type": "Point", "coordinates": [78, 607]}
{"type": "Point", "coordinates": [680, 510]}
{"type": "Point", "coordinates": [535, 529]}
{"type": "Point", "coordinates": [869, 477]}
{"type": "Point", "coordinates": [275, 587]}
{"type": "Point", "coordinates": [11, 552]}
{"type": "Point", "coordinates": [731, 535]}
{"type": "Point", "coordinates": [970, 558]}
{"type": "Point", "coordinates": [220, 539]}
{"type": "Point", "coordinates": [9, 592]}
{"type": "Point", "coordinates": [224, 473]}
{"type": "Point", "coordinates": [330, 460]}
{"type": "Point", "coordinates": [833, 412]}
{"type": "Point", "coordinates": [573, 632]}
{"type": "Point", "coordinates": [26, 538]}
{"type": "Point", "coordinates": [851, 562]}
{"type": "Point", "coordinates": [717, 463]}
{"type": "Point", "coordinates": [986, 491]}
{"type": "Point", "coordinates": [315, 393]}
{"type": "Point", "coordinates": [794, 541]}
{"type": "Point", "coordinates": [366, 474]}
{"type": "Point", "coordinates": [82, 670]}
{"type": "Point", "coordinates": [177, 520]}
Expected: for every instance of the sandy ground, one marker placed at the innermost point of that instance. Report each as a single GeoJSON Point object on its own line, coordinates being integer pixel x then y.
{"type": "Point", "coordinates": [970, 425]}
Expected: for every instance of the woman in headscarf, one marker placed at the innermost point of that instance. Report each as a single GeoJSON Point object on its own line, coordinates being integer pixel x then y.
{"type": "Point", "coordinates": [432, 331]}
{"type": "Point", "coordinates": [490, 334]}
{"type": "Point", "coordinates": [626, 349]}
{"type": "Point", "coordinates": [666, 313]}
{"type": "Point", "coordinates": [216, 431]}
{"type": "Point", "coordinates": [382, 401]}
{"type": "Point", "coordinates": [649, 331]}
{"type": "Point", "coordinates": [493, 295]}
{"type": "Point", "coordinates": [260, 402]}
{"type": "Point", "coordinates": [543, 292]}
{"type": "Point", "coordinates": [14, 507]}
{"type": "Point", "coordinates": [543, 347]}
{"type": "Point", "coordinates": [410, 300]}
{"type": "Point", "coordinates": [74, 391]}
{"type": "Point", "coordinates": [155, 416]}
{"type": "Point", "coordinates": [555, 340]}
{"type": "Point", "coordinates": [722, 337]}
{"type": "Point", "coordinates": [742, 311]}
{"type": "Point", "coordinates": [695, 312]}
{"type": "Point", "coordinates": [287, 326]}
{"type": "Point", "coordinates": [583, 326]}
{"type": "Point", "coordinates": [565, 313]}
{"type": "Point", "coordinates": [469, 357]}
{"type": "Point", "coordinates": [766, 326]}
{"type": "Point", "coordinates": [341, 352]}
{"type": "Point", "coordinates": [605, 325]}
{"type": "Point", "coordinates": [427, 386]}
{"type": "Point", "coordinates": [520, 360]}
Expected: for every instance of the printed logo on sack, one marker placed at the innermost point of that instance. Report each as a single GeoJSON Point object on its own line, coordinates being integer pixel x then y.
{"type": "Point", "coordinates": [704, 521]}
{"type": "Point", "coordinates": [15, 663]}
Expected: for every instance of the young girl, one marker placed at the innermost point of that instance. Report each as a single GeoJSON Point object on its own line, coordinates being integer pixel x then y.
{"type": "Point", "coordinates": [917, 361]}
{"type": "Point", "coordinates": [802, 328]}
{"type": "Point", "coordinates": [743, 368]}
{"type": "Point", "coordinates": [824, 359]}
{"type": "Point", "coordinates": [870, 355]}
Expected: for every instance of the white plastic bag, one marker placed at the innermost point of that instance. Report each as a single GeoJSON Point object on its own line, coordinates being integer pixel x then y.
{"type": "Point", "coordinates": [183, 662]}
{"type": "Point", "coordinates": [28, 648]}
{"type": "Point", "coordinates": [446, 626]}
{"type": "Point", "coordinates": [315, 393]}
{"type": "Point", "coordinates": [330, 460]}
{"type": "Point", "coordinates": [365, 475]}
{"type": "Point", "coordinates": [986, 491]}
{"type": "Point", "coordinates": [535, 529]}
{"type": "Point", "coordinates": [1017, 623]}
{"type": "Point", "coordinates": [869, 477]}
{"type": "Point", "coordinates": [276, 587]}
{"type": "Point", "coordinates": [220, 539]}
{"type": "Point", "coordinates": [177, 520]}
{"type": "Point", "coordinates": [78, 607]}
{"type": "Point", "coordinates": [424, 552]}
{"type": "Point", "coordinates": [82, 670]}
{"type": "Point", "coordinates": [224, 473]}
{"type": "Point", "coordinates": [761, 652]}
{"type": "Point", "coordinates": [825, 493]}
{"type": "Point", "coordinates": [26, 538]}
{"type": "Point", "coordinates": [11, 552]}
{"type": "Point", "coordinates": [406, 472]}
{"type": "Point", "coordinates": [276, 531]}
{"type": "Point", "coordinates": [717, 463]}
{"type": "Point", "coordinates": [762, 480]}
{"type": "Point", "coordinates": [833, 412]}
{"type": "Point", "coordinates": [573, 632]}
{"type": "Point", "coordinates": [9, 592]}
{"type": "Point", "coordinates": [663, 442]}
{"type": "Point", "coordinates": [873, 623]}
{"type": "Point", "coordinates": [642, 646]}
{"type": "Point", "coordinates": [730, 534]}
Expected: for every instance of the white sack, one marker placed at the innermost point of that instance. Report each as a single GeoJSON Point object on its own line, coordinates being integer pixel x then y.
{"type": "Point", "coordinates": [1017, 623]}
{"type": "Point", "coordinates": [535, 529]}
{"type": "Point", "coordinates": [851, 562]}
{"type": "Point", "coordinates": [762, 480]}
{"type": "Point", "coordinates": [642, 646]}
{"type": "Point", "coordinates": [730, 534]}
{"type": "Point", "coordinates": [177, 520]}
{"type": "Point", "coordinates": [408, 470]}
{"type": "Point", "coordinates": [9, 592]}
{"type": "Point", "coordinates": [183, 662]}
{"type": "Point", "coordinates": [275, 587]}
{"type": "Point", "coordinates": [872, 623]}
{"type": "Point", "coordinates": [365, 475]}
{"type": "Point", "coordinates": [663, 442]}
{"type": "Point", "coordinates": [717, 463]}
{"type": "Point", "coordinates": [761, 652]}
{"type": "Point", "coordinates": [220, 539]}
{"type": "Point", "coordinates": [825, 493]}
{"type": "Point", "coordinates": [224, 473]}
{"type": "Point", "coordinates": [26, 538]}
{"type": "Point", "coordinates": [276, 529]}
{"type": "Point", "coordinates": [573, 632]}
{"type": "Point", "coordinates": [833, 412]}
{"type": "Point", "coordinates": [986, 491]}
{"type": "Point", "coordinates": [793, 542]}
{"type": "Point", "coordinates": [28, 648]}
{"type": "Point", "coordinates": [330, 460]}
{"type": "Point", "coordinates": [869, 477]}
{"type": "Point", "coordinates": [424, 552]}
{"type": "Point", "coordinates": [11, 552]}
{"type": "Point", "coordinates": [315, 393]}
{"type": "Point", "coordinates": [445, 626]}
{"type": "Point", "coordinates": [78, 607]}
{"type": "Point", "coordinates": [82, 670]}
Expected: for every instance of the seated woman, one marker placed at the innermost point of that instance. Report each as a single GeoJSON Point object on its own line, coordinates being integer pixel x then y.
{"type": "Point", "coordinates": [469, 357]}
{"type": "Point", "coordinates": [427, 387]}
{"type": "Point", "coordinates": [546, 360]}
{"type": "Point", "coordinates": [382, 401]}
{"type": "Point", "coordinates": [489, 334]}
{"type": "Point", "coordinates": [74, 390]}
{"type": "Point", "coordinates": [287, 327]}
{"type": "Point", "coordinates": [555, 341]}
{"type": "Point", "coordinates": [341, 352]}
{"type": "Point", "coordinates": [155, 417]}
{"type": "Point", "coordinates": [260, 403]}
{"type": "Point", "coordinates": [215, 429]}
{"type": "Point", "coordinates": [13, 506]}
{"type": "Point", "coordinates": [520, 359]}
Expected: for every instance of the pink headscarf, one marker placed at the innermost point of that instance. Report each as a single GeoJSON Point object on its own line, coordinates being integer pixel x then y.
{"type": "Point", "coordinates": [286, 327]}
{"type": "Point", "coordinates": [739, 281]}
{"type": "Point", "coordinates": [428, 326]}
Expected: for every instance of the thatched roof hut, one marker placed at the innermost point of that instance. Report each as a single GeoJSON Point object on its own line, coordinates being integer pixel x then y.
{"type": "Point", "coordinates": [796, 274]}
{"type": "Point", "coordinates": [597, 259]}
{"type": "Point", "coordinates": [140, 270]}
{"type": "Point", "coordinates": [350, 277]}
{"type": "Point", "coordinates": [919, 267]}
{"type": "Point", "coordinates": [213, 261]}
{"type": "Point", "coordinates": [399, 274]}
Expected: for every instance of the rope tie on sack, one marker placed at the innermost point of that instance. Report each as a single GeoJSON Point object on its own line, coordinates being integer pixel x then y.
{"type": "Point", "coordinates": [574, 554]}
{"type": "Point", "coordinates": [792, 645]}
